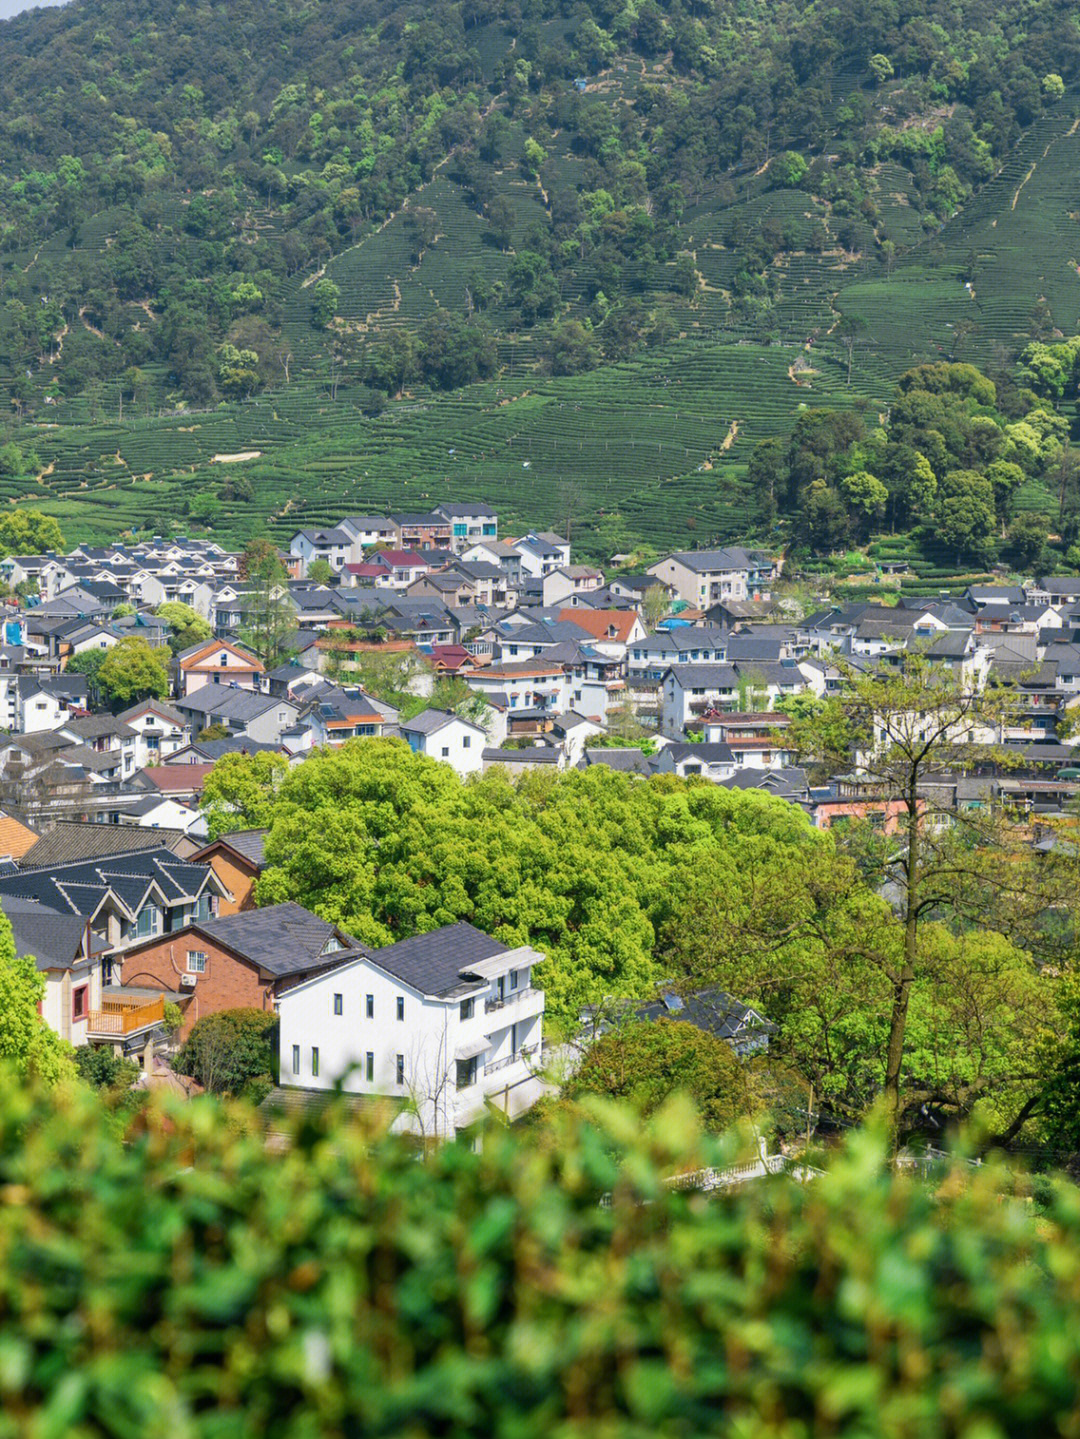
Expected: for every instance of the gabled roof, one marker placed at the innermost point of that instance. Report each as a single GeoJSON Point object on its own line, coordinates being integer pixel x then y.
{"type": "Point", "coordinates": [189, 658]}
{"type": "Point", "coordinates": [175, 778]}
{"type": "Point", "coordinates": [233, 703]}
{"type": "Point", "coordinates": [163, 711]}
{"type": "Point", "coordinates": [717, 676]}
{"type": "Point", "coordinates": [433, 963]}
{"type": "Point", "coordinates": [282, 939]}
{"type": "Point", "coordinates": [248, 844]}
{"type": "Point", "coordinates": [53, 939]}
{"type": "Point", "coordinates": [613, 625]}
{"type": "Point", "coordinates": [79, 887]}
{"type": "Point", "coordinates": [69, 840]}
{"type": "Point", "coordinates": [626, 761]}
{"type": "Point", "coordinates": [431, 721]}
{"type": "Point", "coordinates": [711, 561]}
{"type": "Point", "coordinates": [711, 1010]}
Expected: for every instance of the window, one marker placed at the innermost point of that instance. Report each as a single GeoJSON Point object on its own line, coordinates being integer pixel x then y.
{"type": "Point", "coordinates": [513, 979]}
{"type": "Point", "coordinates": [466, 1072]}
{"type": "Point", "coordinates": [369, 1067]}
{"type": "Point", "coordinates": [148, 922]}
{"type": "Point", "coordinates": [400, 1008]}
{"type": "Point", "coordinates": [314, 1064]}
{"type": "Point", "coordinates": [446, 751]}
{"type": "Point", "coordinates": [466, 741]}
{"type": "Point", "coordinates": [196, 961]}
{"type": "Point", "coordinates": [468, 1008]}
{"type": "Point", "coordinates": [401, 1069]}
{"type": "Point", "coordinates": [296, 1059]}
{"type": "Point", "coordinates": [80, 1002]}
{"type": "Point", "coordinates": [339, 1004]}
{"type": "Point", "coordinates": [370, 1007]}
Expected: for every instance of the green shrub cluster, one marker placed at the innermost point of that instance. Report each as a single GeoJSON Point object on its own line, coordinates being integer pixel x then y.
{"type": "Point", "coordinates": [193, 1282]}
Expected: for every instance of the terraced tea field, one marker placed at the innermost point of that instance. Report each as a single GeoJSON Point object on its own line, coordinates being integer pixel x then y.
{"type": "Point", "coordinates": [653, 449]}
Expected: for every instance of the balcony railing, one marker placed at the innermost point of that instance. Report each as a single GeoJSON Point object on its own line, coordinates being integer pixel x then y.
{"type": "Point", "coordinates": [491, 1005]}
{"type": "Point", "coordinates": [525, 1053]}
{"type": "Point", "coordinates": [124, 1016]}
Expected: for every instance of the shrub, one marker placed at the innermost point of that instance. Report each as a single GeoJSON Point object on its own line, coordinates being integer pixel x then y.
{"type": "Point", "coordinates": [229, 1051]}
{"type": "Point", "coordinates": [334, 1285]}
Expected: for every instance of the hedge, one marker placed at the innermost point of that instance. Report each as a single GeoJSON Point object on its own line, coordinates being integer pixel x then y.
{"type": "Point", "coordinates": [193, 1281]}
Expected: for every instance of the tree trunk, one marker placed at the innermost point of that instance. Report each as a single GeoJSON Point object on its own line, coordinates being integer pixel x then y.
{"type": "Point", "coordinates": [902, 991]}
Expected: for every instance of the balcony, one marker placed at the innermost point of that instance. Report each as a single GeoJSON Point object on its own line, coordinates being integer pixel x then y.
{"type": "Point", "coordinates": [125, 1015]}
{"type": "Point", "coordinates": [514, 997]}
{"type": "Point", "coordinates": [526, 1052]}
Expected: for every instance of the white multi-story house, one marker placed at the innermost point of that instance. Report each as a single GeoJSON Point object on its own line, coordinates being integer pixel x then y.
{"type": "Point", "coordinates": [542, 553]}
{"type": "Point", "coordinates": [159, 731]}
{"type": "Point", "coordinates": [530, 684]}
{"type": "Point", "coordinates": [469, 523]}
{"type": "Point", "coordinates": [367, 531]}
{"type": "Point", "coordinates": [702, 577]}
{"type": "Point", "coordinates": [335, 546]}
{"type": "Point", "coordinates": [443, 1022]}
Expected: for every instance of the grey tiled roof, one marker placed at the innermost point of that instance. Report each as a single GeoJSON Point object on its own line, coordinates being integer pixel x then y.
{"type": "Point", "coordinates": [432, 963]}
{"type": "Point", "coordinates": [281, 939]}
{"type": "Point", "coordinates": [78, 887]}
{"type": "Point", "coordinates": [626, 761]}
{"type": "Point", "coordinates": [250, 843]}
{"type": "Point", "coordinates": [53, 939]}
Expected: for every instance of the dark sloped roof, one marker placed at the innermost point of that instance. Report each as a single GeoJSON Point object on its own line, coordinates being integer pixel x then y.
{"type": "Point", "coordinates": [626, 761]}
{"type": "Point", "coordinates": [70, 839]}
{"type": "Point", "coordinates": [282, 938]}
{"type": "Point", "coordinates": [79, 887]}
{"type": "Point", "coordinates": [432, 963]}
{"type": "Point", "coordinates": [713, 1011]}
{"type": "Point", "coordinates": [52, 938]}
{"type": "Point", "coordinates": [248, 843]}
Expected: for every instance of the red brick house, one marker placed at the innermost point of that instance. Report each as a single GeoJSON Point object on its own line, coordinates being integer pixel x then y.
{"type": "Point", "coordinates": [237, 961]}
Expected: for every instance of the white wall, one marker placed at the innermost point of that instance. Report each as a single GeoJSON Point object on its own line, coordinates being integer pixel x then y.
{"type": "Point", "coordinates": [427, 1038]}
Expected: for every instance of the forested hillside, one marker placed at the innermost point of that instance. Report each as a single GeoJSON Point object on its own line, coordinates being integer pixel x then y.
{"type": "Point", "coordinates": [579, 259]}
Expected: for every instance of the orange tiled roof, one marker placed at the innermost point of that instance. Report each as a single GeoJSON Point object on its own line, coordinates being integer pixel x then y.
{"type": "Point", "coordinates": [599, 623]}
{"type": "Point", "coordinates": [15, 838]}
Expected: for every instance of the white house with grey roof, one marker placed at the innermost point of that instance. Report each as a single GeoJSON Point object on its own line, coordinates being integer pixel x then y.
{"type": "Point", "coordinates": [703, 577]}
{"type": "Point", "coordinates": [445, 736]}
{"type": "Point", "coordinates": [333, 545]}
{"type": "Point", "coordinates": [445, 1022]}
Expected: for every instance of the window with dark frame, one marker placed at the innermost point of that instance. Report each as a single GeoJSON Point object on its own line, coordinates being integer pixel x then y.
{"type": "Point", "coordinates": [371, 1006]}
{"type": "Point", "coordinates": [296, 1059]}
{"type": "Point", "coordinates": [80, 1002]}
{"type": "Point", "coordinates": [339, 1004]}
{"type": "Point", "coordinates": [369, 1067]}
{"type": "Point", "coordinates": [400, 1008]}
{"type": "Point", "coordinates": [314, 1064]}
{"type": "Point", "coordinates": [401, 1069]}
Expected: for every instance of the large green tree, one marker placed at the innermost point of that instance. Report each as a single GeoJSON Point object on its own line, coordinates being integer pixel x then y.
{"type": "Point", "coordinates": [648, 1061]}
{"type": "Point", "coordinates": [134, 669]}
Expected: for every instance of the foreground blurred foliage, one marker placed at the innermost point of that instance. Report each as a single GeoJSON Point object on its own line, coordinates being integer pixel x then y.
{"type": "Point", "coordinates": [193, 1281]}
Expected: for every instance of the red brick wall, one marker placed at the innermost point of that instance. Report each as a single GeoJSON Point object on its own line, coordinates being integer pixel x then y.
{"type": "Point", "coordinates": [228, 982]}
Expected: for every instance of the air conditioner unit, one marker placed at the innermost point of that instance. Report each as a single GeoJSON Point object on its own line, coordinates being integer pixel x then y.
{"type": "Point", "coordinates": [188, 981]}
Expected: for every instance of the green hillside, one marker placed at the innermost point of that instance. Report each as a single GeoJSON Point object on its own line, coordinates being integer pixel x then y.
{"type": "Point", "coordinates": [577, 261]}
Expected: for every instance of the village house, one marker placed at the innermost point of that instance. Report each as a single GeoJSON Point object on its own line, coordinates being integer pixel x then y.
{"type": "Point", "coordinates": [335, 546]}
{"type": "Point", "coordinates": [159, 730]}
{"type": "Point", "coordinates": [238, 961]}
{"type": "Point", "coordinates": [704, 577]}
{"type": "Point", "coordinates": [470, 523]}
{"type": "Point", "coordinates": [445, 736]}
{"type": "Point", "coordinates": [218, 662]}
{"type": "Point", "coordinates": [445, 1023]}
